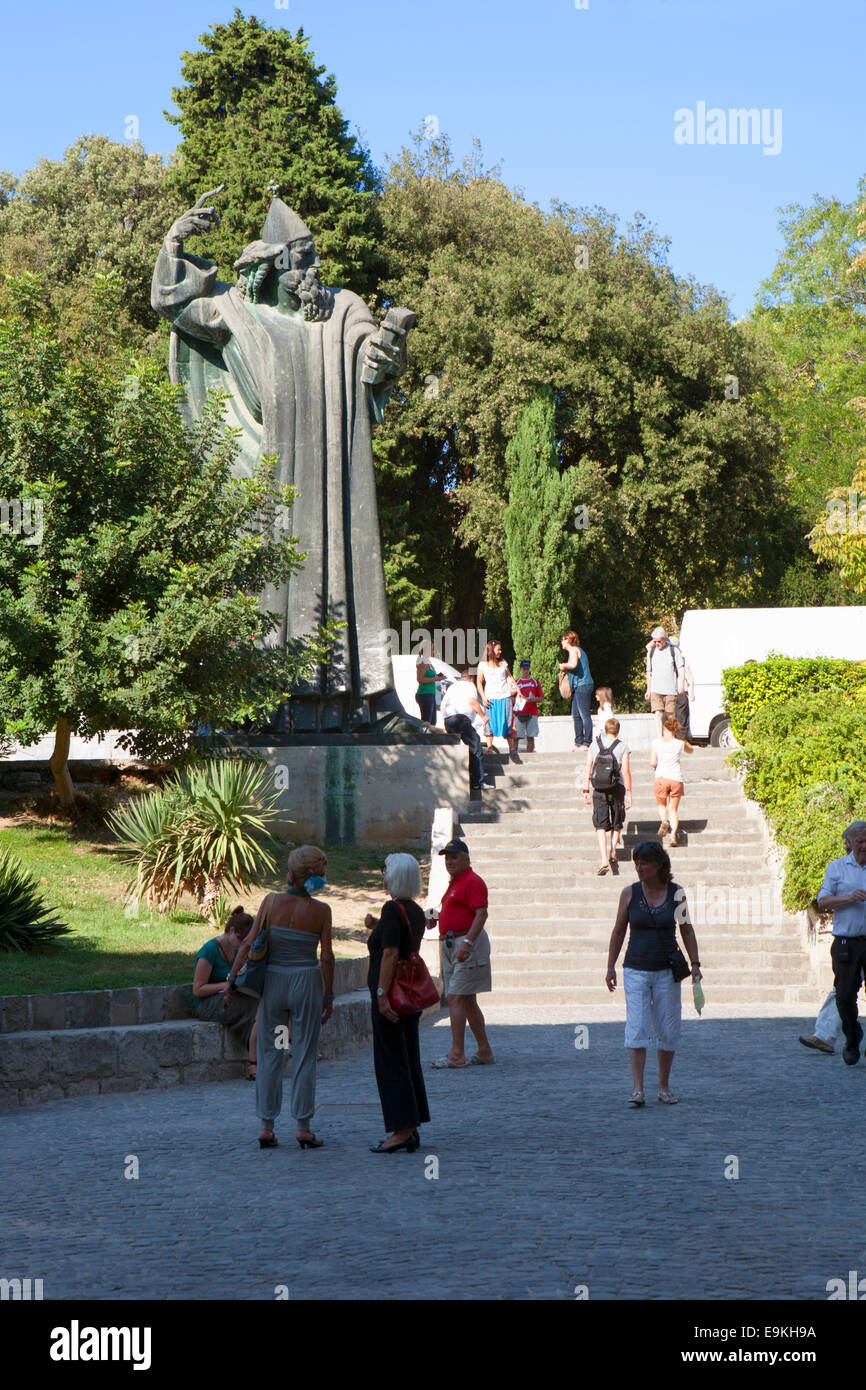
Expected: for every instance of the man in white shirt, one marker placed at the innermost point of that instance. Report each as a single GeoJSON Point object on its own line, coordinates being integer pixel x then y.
{"type": "Point", "coordinates": [665, 675]}
{"type": "Point", "coordinates": [843, 893]}
{"type": "Point", "coordinates": [464, 716]}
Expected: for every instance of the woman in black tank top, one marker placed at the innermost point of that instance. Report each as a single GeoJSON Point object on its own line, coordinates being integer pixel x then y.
{"type": "Point", "coordinates": [651, 910]}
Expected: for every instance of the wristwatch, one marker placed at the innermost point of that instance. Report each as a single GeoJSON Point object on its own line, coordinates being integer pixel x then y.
{"type": "Point", "coordinates": [379, 992]}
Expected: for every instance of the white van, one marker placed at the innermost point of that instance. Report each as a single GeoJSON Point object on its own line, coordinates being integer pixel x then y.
{"type": "Point", "coordinates": [722, 637]}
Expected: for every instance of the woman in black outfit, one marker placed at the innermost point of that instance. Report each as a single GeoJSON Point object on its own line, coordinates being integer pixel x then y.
{"type": "Point", "coordinates": [396, 1052]}
{"type": "Point", "coordinates": [652, 908]}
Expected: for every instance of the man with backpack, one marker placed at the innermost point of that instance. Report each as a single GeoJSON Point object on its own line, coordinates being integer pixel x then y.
{"type": "Point", "coordinates": [665, 677]}
{"type": "Point", "coordinates": [607, 782]}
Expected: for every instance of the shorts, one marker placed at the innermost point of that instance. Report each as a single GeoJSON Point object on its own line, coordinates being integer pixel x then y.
{"type": "Point", "coordinates": [663, 704]}
{"type": "Point", "coordinates": [653, 1008]}
{"type": "Point", "coordinates": [527, 728]}
{"type": "Point", "coordinates": [472, 977]}
{"type": "Point", "coordinates": [608, 808]}
{"type": "Point", "coordinates": [664, 787]}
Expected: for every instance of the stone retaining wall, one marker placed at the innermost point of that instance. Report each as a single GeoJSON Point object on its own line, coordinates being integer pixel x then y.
{"type": "Point", "coordinates": [52, 1064]}
{"type": "Point", "coordinates": [115, 1008]}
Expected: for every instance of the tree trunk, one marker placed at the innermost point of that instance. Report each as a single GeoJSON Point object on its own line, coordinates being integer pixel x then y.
{"type": "Point", "coordinates": [59, 764]}
{"type": "Point", "coordinates": [213, 889]}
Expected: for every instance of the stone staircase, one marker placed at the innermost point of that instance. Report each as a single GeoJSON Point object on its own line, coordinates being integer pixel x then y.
{"type": "Point", "coordinates": [551, 916]}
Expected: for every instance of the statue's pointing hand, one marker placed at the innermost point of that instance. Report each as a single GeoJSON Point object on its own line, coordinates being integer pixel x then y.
{"type": "Point", "coordinates": [198, 219]}
{"type": "Point", "coordinates": [382, 361]}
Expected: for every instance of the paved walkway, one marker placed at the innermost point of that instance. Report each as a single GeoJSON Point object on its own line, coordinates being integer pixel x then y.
{"type": "Point", "coordinates": [546, 1180]}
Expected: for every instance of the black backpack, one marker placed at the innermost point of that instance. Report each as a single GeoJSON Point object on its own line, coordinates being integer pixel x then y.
{"type": "Point", "coordinates": [605, 769]}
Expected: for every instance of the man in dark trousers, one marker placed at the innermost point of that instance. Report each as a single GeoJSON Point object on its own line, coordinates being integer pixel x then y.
{"type": "Point", "coordinates": [843, 893]}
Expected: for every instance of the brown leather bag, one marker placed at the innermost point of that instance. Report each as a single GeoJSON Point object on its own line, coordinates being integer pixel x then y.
{"type": "Point", "coordinates": [412, 989]}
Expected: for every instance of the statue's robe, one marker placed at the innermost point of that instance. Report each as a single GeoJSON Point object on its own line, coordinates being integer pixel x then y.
{"type": "Point", "coordinates": [296, 392]}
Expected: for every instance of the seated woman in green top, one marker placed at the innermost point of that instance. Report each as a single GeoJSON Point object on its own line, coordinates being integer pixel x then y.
{"type": "Point", "coordinates": [212, 965]}
{"type": "Point", "coordinates": [425, 695]}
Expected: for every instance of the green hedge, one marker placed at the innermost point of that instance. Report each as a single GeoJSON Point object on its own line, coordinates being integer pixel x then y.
{"type": "Point", "coordinates": [805, 762]}
{"type": "Point", "coordinates": [747, 689]}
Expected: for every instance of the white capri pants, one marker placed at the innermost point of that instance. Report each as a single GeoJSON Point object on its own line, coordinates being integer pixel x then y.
{"type": "Point", "coordinates": [653, 1008]}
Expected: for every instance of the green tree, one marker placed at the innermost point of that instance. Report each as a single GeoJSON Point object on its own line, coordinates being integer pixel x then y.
{"type": "Point", "coordinates": [102, 209]}
{"type": "Point", "coordinates": [255, 109]}
{"type": "Point", "coordinates": [810, 313]}
{"type": "Point", "coordinates": [541, 542]}
{"type": "Point", "coordinates": [130, 560]}
{"type": "Point", "coordinates": [656, 406]}
{"type": "Point", "coordinates": [839, 535]}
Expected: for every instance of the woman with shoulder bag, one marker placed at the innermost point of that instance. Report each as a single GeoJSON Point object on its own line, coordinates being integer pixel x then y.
{"type": "Point", "coordinates": [394, 936]}
{"type": "Point", "coordinates": [654, 966]}
{"type": "Point", "coordinates": [575, 669]}
{"type": "Point", "coordinates": [297, 992]}
{"type": "Point", "coordinates": [496, 691]}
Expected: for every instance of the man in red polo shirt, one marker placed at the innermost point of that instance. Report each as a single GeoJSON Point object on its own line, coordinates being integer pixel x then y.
{"type": "Point", "coordinates": [464, 949]}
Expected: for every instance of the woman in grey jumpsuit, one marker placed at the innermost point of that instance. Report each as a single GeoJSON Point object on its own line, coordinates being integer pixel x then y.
{"type": "Point", "coordinates": [297, 994]}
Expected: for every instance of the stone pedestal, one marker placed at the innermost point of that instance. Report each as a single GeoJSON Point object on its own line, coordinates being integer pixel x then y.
{"type": "Point", "coordinates": [373, 794]}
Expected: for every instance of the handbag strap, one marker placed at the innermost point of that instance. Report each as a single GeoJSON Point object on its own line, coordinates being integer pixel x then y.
{"type": "Point", "coordinates": [397, 903]}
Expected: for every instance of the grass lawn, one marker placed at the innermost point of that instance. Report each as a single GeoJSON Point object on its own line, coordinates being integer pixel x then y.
{"type": "Point", "coordinates": [85, 884]}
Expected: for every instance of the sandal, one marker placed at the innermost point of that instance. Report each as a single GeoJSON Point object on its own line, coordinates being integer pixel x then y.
{"type": "Point", "coordinates": [637, 1099]}
{"type": "Point", "coordinates": [442, 1062]}
{"type": "Point", "coordinates": [668, 1098]}
{"type": "Point", "coordinates": [603, 869]}
{"type": "Point", "coordinates": [665, 827]}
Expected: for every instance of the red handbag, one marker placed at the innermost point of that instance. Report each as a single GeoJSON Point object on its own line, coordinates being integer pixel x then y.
{"type": "Point", "coordinates": [413, 988]}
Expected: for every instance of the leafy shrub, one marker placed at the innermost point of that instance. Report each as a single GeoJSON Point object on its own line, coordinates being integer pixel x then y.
{"type": "Point", "coordinates": [810, 827]}
{"type": "Point", "coordinates": [204, 831]}
{"type": "Point", "coordinates": [800, 745]}
{"type": "Point", "coordinates": [25, 922]}
{"type": "Point", "coordinates": [805, 762]}
{"type": "Point", "coordinates": [747, 689]}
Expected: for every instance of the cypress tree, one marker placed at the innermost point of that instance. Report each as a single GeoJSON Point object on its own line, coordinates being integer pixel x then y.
{"type": "Point", "coordinates": [539, 543]}
{"type": "Point", "coordinates": [255, 110]}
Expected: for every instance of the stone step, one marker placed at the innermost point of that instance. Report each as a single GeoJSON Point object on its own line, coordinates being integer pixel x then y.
{"type": "Point", "coordinates": [571, 788]}
{"type": "Point", "coordinates": [701, 758]}
{"type": "Point", "coordinates": [566, 902]}
{"type": "Point", "coordinates": [516, 923]}
{"type": "Point", "coordinates": [512, 923]}
{"type": "Point", "coordinates": [707, 832]}
{"type": "Point", "coordinates": [715, 946]}
{"type": "Point", "coordinates": [549, 972]}
{"type": "Point", "coordinates": [580, 867]}
{"type": "Point", "coordinates": [640, 818]}
{"type": "Point", "coordinates": [778, 998]}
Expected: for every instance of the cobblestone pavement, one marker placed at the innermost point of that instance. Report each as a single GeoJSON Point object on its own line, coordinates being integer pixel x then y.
{"type": "Point", "coordinates": [546, 1180]}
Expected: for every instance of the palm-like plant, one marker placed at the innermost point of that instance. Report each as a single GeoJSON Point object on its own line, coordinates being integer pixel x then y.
{"type": "Point", "coordinates": [205, 831]}
{"type": "Point", "coordinates": [25, 922]}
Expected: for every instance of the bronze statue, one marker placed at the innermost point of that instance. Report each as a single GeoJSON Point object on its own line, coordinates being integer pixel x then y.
{"type": "Point", "coordinates": [308, 371]}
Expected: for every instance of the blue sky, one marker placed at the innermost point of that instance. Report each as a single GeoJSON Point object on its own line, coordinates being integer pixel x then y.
{"type": "Point", "coordinates": [577, 103]}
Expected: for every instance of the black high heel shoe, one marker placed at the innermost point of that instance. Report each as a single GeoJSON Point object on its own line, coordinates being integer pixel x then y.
{"type": "Point", "coordinates": [313, 1143]}
{"type": "Point", "coordinates": [268, 1143]}
{"type": "Point", "coordinates": [410, 1145]}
